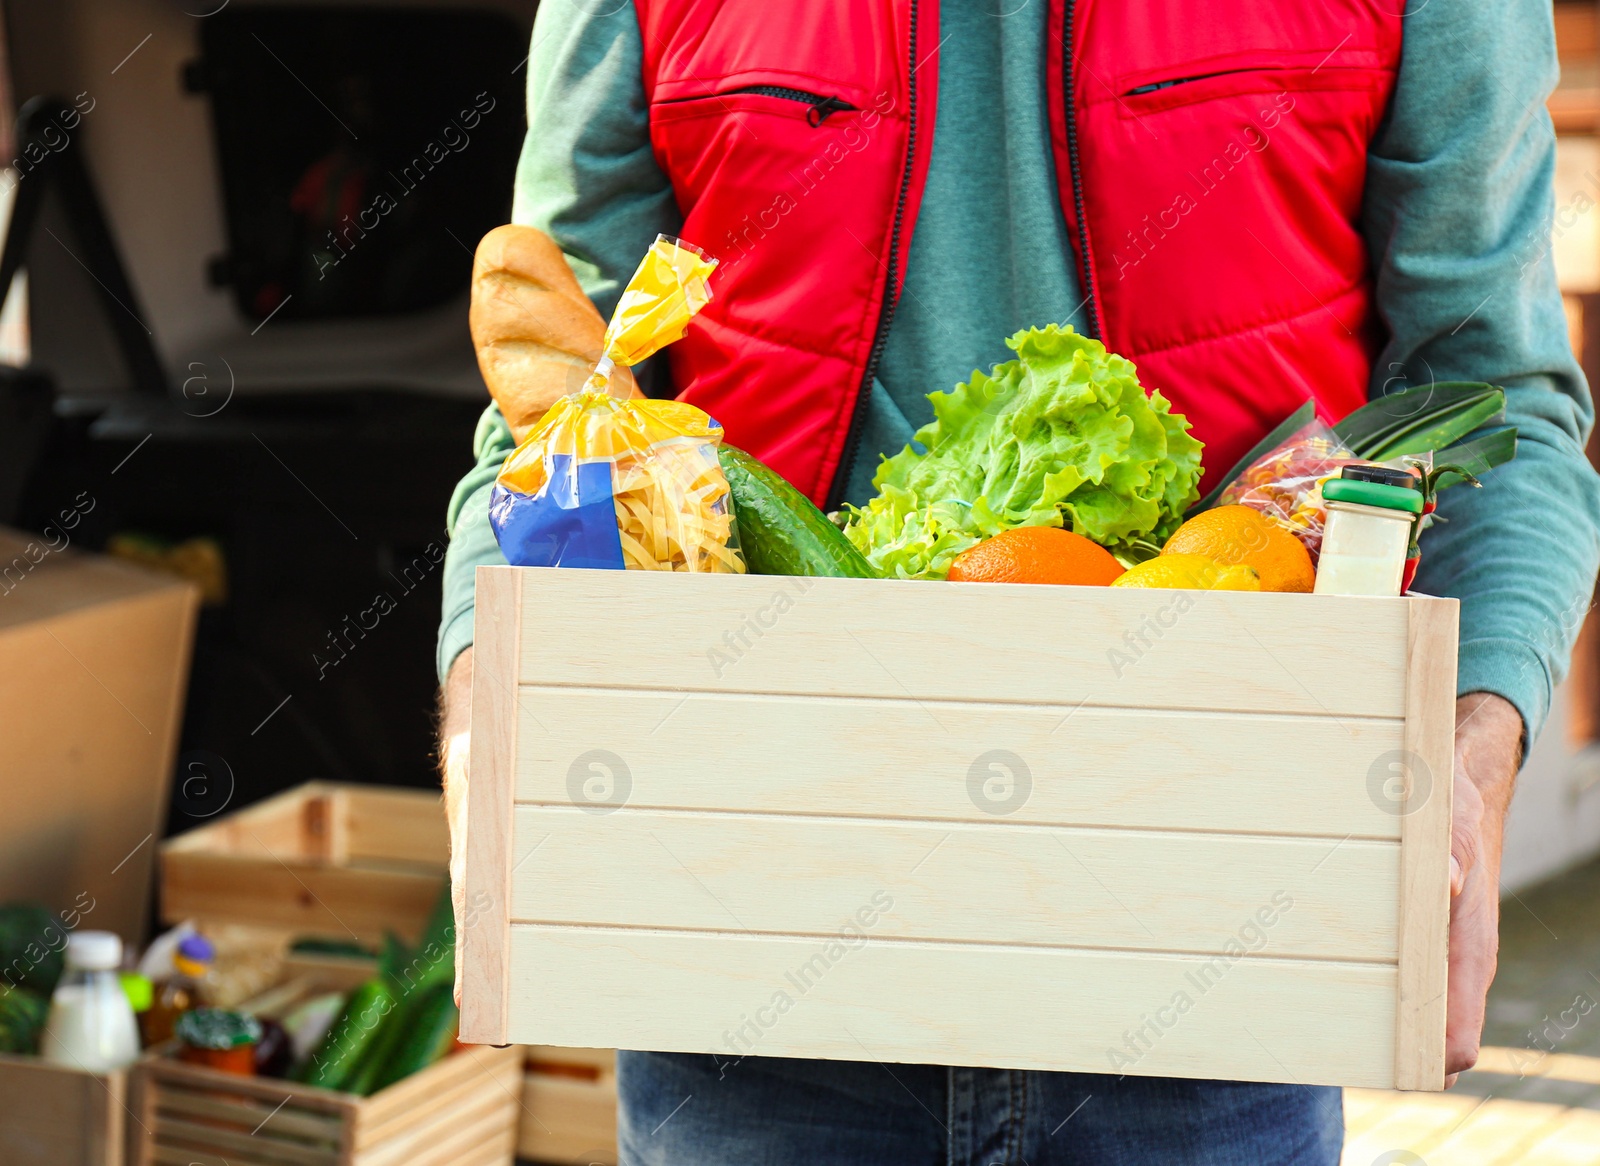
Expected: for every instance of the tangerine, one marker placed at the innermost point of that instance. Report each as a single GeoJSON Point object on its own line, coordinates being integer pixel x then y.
{"type": "Point", "coordinates": [1243, 536]}
{"type": "Point", "coordinates": [1036, 554]}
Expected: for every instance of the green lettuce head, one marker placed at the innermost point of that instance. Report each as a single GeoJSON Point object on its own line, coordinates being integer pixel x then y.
{"type": "Point", "coordinates": [1061, 436]}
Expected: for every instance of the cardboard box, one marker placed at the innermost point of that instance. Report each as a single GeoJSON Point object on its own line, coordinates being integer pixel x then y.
{"type": "Point", "coordinates": [94, 660]}
{"type": "Point", "coordinates": [1199, 834]}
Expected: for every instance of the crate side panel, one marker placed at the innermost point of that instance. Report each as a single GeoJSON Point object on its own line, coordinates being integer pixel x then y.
{"type": "Point", "coordinates": [397, 825]}
{"type": "Point", "coordinates": [307, 899]}
{"type": "Point", "coordinates": [949, 761]}
{"type": "Point", "coordinates": [1427, 765]}
{"type": "Point", "coordinates": [568, 1121]}
{"type": "Point", "coordinates": [56, 1116]}
{"type": "Point", "coordinates": [1252, 1019]}
{"type": "Point", "coordinates": [483, 912]}
{"type": "Point", "coordinates": [932, 641]}
{"type": "Point", "coordinates": [989, 882]}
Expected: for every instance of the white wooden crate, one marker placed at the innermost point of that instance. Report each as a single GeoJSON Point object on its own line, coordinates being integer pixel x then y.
{"type": "Point", "coordinates": [1092, 829]}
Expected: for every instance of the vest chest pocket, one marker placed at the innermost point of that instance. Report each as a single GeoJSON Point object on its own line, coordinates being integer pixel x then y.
{"type": "Point", "coordinates": [1141, 94]}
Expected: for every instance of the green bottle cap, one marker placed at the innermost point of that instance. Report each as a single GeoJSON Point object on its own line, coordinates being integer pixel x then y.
{"type": "Point", "coordinates": [138, 989]}
{"type": "Point", "coordinates": [217, 1028]}
{"type": "Point", "coordinates": [1372, 494]}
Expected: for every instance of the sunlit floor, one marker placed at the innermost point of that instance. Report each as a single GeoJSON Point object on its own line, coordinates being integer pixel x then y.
{"type": "Point", "coordinates": [1534, 1099]}
{"type": "Point", "coordinates": [1517, 1108]}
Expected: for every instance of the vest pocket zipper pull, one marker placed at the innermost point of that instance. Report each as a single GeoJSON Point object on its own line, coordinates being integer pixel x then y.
{"type": "Point", "coordinates": [824, 108]}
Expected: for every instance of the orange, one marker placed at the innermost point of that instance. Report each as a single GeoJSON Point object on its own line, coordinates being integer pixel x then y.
{"type": "Point", "coordinates": [1243, 536]}
{"type": "Point", "coordinates": [1036, 554]}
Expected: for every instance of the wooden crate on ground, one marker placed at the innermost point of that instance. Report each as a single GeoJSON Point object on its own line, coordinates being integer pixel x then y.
{"type": "Point", "coordinates": [569, 1107]}
{"type": "Point", "coordinates": [51, 1115]}
{"type": "Point", "coordinates": [460, 1111]}
{"type": "Point", "coordinates": [1174, 833]}
{"type": "Point", "coordinates": [346, 861]}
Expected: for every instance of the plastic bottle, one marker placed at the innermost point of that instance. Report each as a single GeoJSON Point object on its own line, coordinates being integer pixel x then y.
{"type": "Point", "coordinates": [183, 991]}
{"type": "Point", "coordinates": [91, 1023]}
{"type": "Point", "coordinates": [1370, 519]}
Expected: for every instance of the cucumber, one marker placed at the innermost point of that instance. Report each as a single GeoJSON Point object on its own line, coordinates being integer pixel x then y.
{"type": "Point", "coordinates": [780, 531]}
{"type": "Point", "coordinates": [428, 1032]}
{"type": "Point", "coordinates": [357, 1028]}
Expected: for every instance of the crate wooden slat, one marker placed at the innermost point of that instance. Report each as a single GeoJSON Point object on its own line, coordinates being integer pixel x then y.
{"type": "Point", "coordinates": [345, 861]}
{"type": "Point", "coordinates": [1094, 829]}
{"type": "Point", "coordinates": [52, 1115]}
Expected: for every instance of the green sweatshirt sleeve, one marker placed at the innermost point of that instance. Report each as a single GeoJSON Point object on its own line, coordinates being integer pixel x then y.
{"type": "Point", "coordinates": [1458, 217]}
{"type": "Point", "coordinates": [588, 178]}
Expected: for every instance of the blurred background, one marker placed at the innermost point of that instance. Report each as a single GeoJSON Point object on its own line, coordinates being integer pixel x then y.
{"type": "Point", "coordinates": [238, 238]}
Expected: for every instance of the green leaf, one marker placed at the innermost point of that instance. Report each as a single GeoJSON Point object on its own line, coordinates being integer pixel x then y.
{"type": "Point", "coordinates": [1444, 430]}
{"type": "Point", "coordinates": [1480, 455]}
{"type": "Point", "coordinates": [1385, 421]}
{"type": "Point", "coordinates": [1286, 428]}
{"type": "Point", "coordinates": [1064, 435]}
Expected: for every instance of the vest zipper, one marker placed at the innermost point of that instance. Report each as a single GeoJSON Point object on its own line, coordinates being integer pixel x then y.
{"type": "Point", "coordinates": [891, 297]}
{"type": "Point", "coordinates": [822, 105]}
{"type": "Point", "coordinates": [1156, 86]}
{"type": "Point", "coordinates": [1085, 265]}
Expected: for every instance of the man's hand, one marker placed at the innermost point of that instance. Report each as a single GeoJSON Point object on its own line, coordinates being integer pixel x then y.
{"type": "Point", "coordinates": [455, 739]}
{"type": "Point", "coordinates": [1488, 753]}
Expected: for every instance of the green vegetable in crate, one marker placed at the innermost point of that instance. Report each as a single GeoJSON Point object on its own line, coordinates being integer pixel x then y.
{"type": "Point", "coordinates": [352, 1035]}
{"type": "Point", "coordinates": [32, 946]}
{"type": "Point", "coordinates": [780, 531]}
{"type": "Point", "coordinates": [429, 1032]}
{"type": "Point", "coordinates": [1064, 435]}
{"type": "Point", "coordinates": [22, 1015]}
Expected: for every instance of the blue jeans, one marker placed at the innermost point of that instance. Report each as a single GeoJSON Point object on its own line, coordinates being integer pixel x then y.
{"type": "Point", "coordinates": [696, 1110]}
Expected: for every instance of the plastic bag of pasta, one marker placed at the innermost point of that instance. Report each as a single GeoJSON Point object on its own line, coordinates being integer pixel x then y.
{"type": "Point", "coordinates": [603, 482]}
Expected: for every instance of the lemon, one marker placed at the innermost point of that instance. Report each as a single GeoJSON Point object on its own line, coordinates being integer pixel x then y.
{"type": "Point", "coordinates": [1190, 573]}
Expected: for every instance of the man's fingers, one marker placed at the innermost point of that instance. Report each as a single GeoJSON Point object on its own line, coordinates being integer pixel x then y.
{"type": "Point", "coordinates": [1473, 945]}
{"type": "Point", "coordinates": [1466, 831]}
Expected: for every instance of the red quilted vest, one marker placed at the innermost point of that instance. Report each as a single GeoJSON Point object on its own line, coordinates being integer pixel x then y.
{"type": "Point", "coordinates": [1211, 160]}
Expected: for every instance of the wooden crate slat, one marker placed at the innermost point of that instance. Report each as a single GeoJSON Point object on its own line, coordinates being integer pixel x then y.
{"type": "Point", "coordinates": [175, 1156]}
{"type": "Point", "coordinates": [165, 1073]}
{"type": "Point", "coordinates": [287, 1120]}
{"type": "Point", "coordinates": [172, 1131]}
{"type": "Point", "coordinates": [296, 896]}
{"type": "Point", "coordinates": [462, 1075]}
{"type": "Point", "coordinates": [1086, 766]}
{"type": "Point", "coordinates": [474, 1118]}
{"type": "Point", "coordinates": [484, 934]}
{"type": "Point", "coordinates": [602, 1061]}
{"type": "Point", "coordinates": [389, 823]}
{"type": "Point", "coordinates": [563, 1119]}
{"type": "Point", "coordinates": [1332, 656]}
{"type": "Point", "coordinates": [1427, 765]}
{"type": "Point", "coordinates": [970, 882]}
{"type": "Point", "coordinates": [955, 1004]}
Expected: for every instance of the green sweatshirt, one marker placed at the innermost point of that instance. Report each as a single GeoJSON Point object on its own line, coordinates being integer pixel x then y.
{"type": "Point", "coordinates": [1457, 220]}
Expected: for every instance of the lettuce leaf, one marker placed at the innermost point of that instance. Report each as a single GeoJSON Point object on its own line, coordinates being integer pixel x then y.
{"type": "Point", "coordinates": [1064, 435]}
